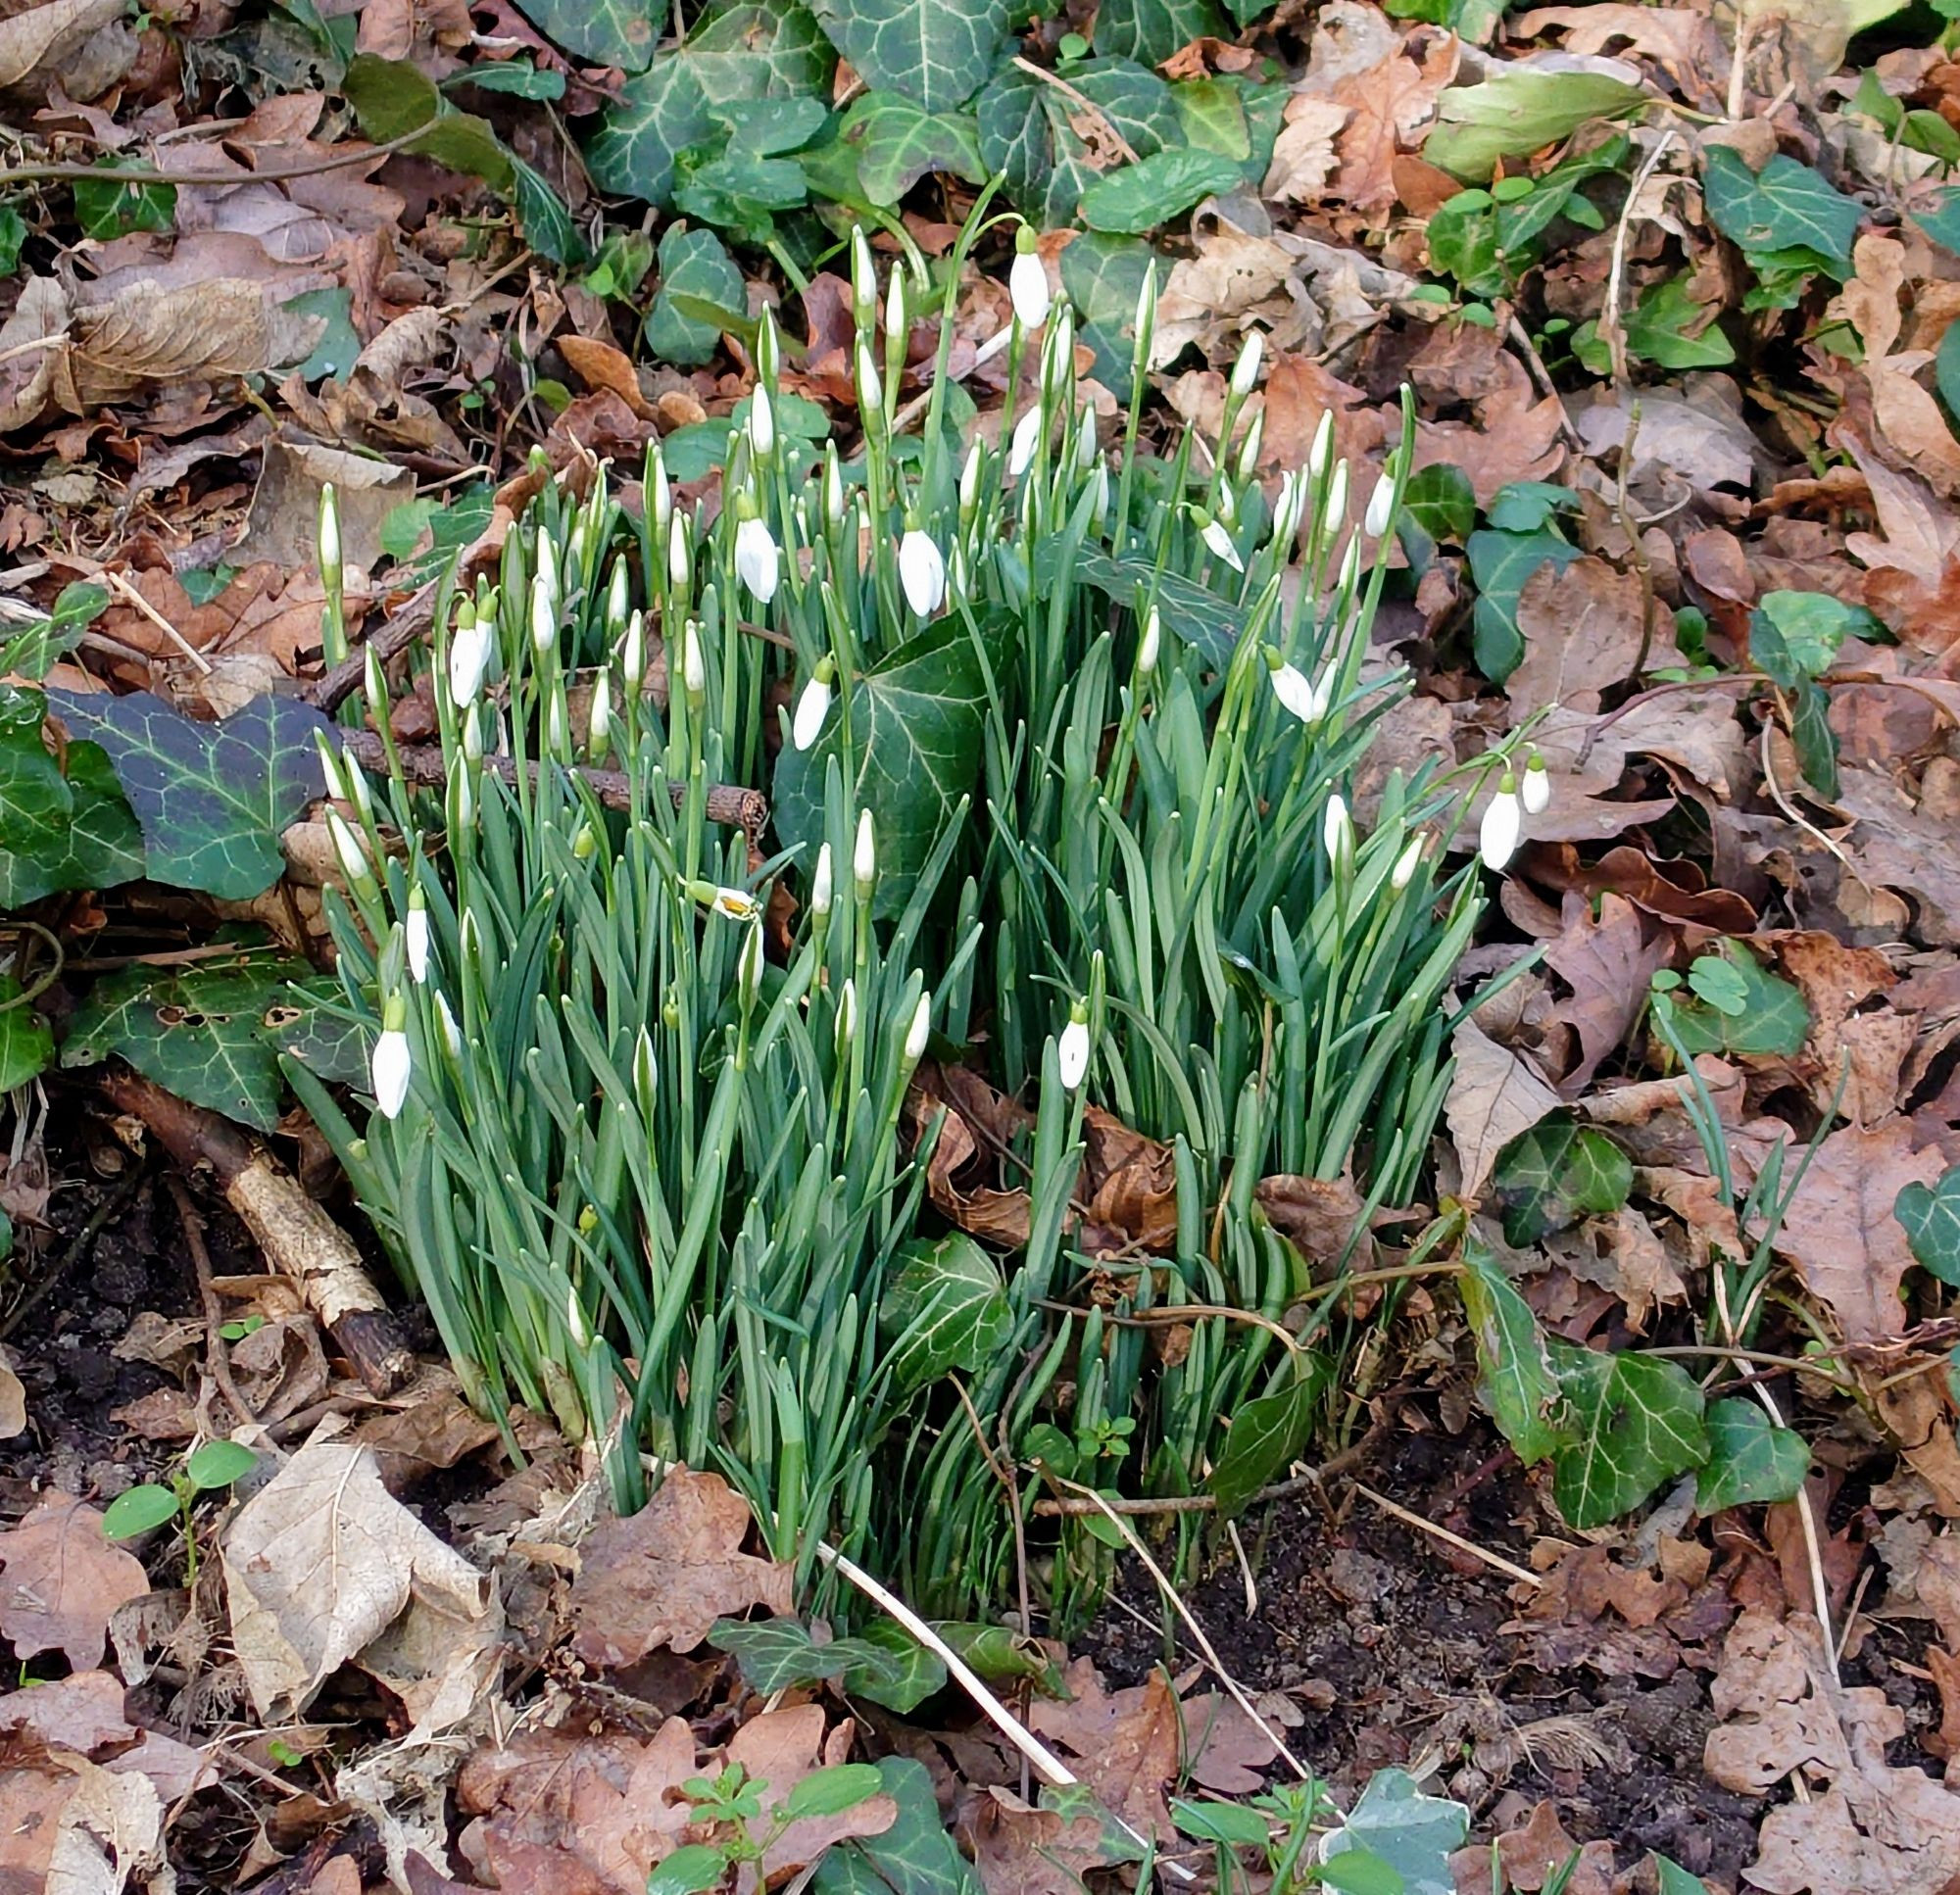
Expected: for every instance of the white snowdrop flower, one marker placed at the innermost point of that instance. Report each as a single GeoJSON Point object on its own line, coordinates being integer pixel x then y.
{"type": "Point", "coordinates": [616, 598]}
{"type": "Point", "coordinates": [761, 423]}
{"type": "Point", "coordinates": [969, 481]}
{"type": "Point", "coordinates": [863, 279]}
{"type": "Point", "coordinates": [1285, 512]}
{"type": "Point", "coordinates": [1535, 792]}
{"type": "Point", "coordinates": [1350, 570]}
{"type": "Point", "coordinates": [1323, 444]}
{"type": "Point", "coordinates": [692, 663]}
{"type": "Point", "coordinates": [633, 655]}
{"type": "Point", "coordinates": [329, 767]}
{"type": "Point", "coordinates": [390, 1071]}
{"type": "Point", "coordinates": [1245, 370]}
{"type": "Point", "coordinates": [1297, 692]}
{"type": "Point", "coordinates": [1379, 502]}
{"type": "Point", "coordinates": [1219, 540]}
{"type": "Point", "coordinates": [556, 737]}
{"type": "Point", "coordinates": [756, 560]}
{"type": "Point", "coordinates": [1027, 284]}
{"type": "Point", "coordinates": [864, 855]}
{"type": "Point", "coordinates": [870, 390]}
{"type": "Point", "coordinates": [547, 566]}
{"type": "Point", "coordinates": [463, 799]}
{"type": "Point", "coordinates": [1503, 819]}
{"type": "Point", "coordinates": [1149, 646]}
{"type": "Point", "coordinates": [452, 1034]}
{"type": "Point", "coordinates": [599, 723]}
{"type": "Point", "coordinates": [681, 560]}
{"type": "Point", "coordinates": [1099, 505]}
{"type": "Point", "coordinates": [415, 933]}
{"type": "Point", "coordinates": [1337, 497]}
{"type": "Point", "coordinates": [734, 904]}
{"type": "Point", "coordinates": [820, 889]}
{"type": "Point", "coordinates": [920, 1030]}
{"type": "Point", "coordinates": [577, 1331]}
{"type": "Point", "coordinates": [329, 539]}
{"type": "Point", "coordinates": [1021, 446]}
{"type": "Point", "coordinates": [544, 616]}
{"type": "Point", "coordinates": [469, 660]}
{"type": "Point", "coordinates": [897, 321]}
{"type": "Point", "coordinates": [574, 554]}
{"type": "Point", "coordinates": [1249, 448]}
{"type": "Point", "coordinates": [645, 1070]}
{"type": "Point", "coordinates": [921, 572]}
{"type": "Point", "coordinates": [1337, 832]}
{"type": "Point", "coordinates": [1071, 1055]}
{"type": "Point", "coordinates": [352, 851]}
{"type": "Point", "coordinates": [1406, 864]}
{"type": "Point", "coordinates": [833, 488]}
{"type": "Point", "coordinates": [812, 706]}
{"type": "Point", "coordinates": [662, 490]}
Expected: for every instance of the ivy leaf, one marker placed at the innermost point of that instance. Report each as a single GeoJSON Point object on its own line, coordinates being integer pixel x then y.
{"type": "Point", "coordinates": [946, 1309]}
{"type": "Point", "coordinates": [106, 207]}
{"type": "Point", "coordinates": [545, 215]}
{"type": "Point", "coordinates": [1413, 1834]}
{"type": "Point", "coordinates": [916, 723]}
{"type": "Point", "coordinates": [916, 1856]}
{"type": "Point", "coordinates": [937, 52]}
{"type": "Point", "coordinates": [886, 1665]}
{"type": "Point", "coordinates": [1556, 1171]}
{"type": "Point", "coordinates": [1193, 613]}
{"type": "Point", "coordinates": [1103, 276]}
{"type": "Point", "coordinates": [1929, 1215]}
{"type": "Point", "coordinates": [755, 49]}
{"type": "Point", "coordinates": [1028, 134]}
{"type": "Point", "coordinates": [391, 97]}
{"type": "Point", "coordinates": [1155, 189]}
{"type": "Point", "coordinates": [898, 141]}
{"type": "Point", "coordinates": [212, 1033]}
{"type": "Point", "coordinates": [213, 799]}
{"type": "Point", "coordinates": [1441, 500]}
{"type": "Point", "coordinates": [1773, 1022]}
{"type": "Point", "coordinates": [1942, 222]}
{"type": "Point", "coordinates": [1795, 636]}
{"type": "Point", "coordinates": [1750, 1458]}
{"type": "Point", "coordinates": [27, 1040]}
{"type": "Point", "coordinates": [1515, 1377]}
{"type": "Point", "coordinates": [1149, 32]}
{"type": "Point", "coordinates": [1266, 1432]}
{"type": "Point", "coordinates": [64, 823]}
{"type": "Point", "coordinates": [1502, 565]}
{"type": "Point", "coordinates": [695, 268]}
{"type": "Point", "coordinates": [1783, 207]}
{"type": "Point", "coordinates": [13, 234]}
{"type": "Point", "coordinates": [31, 653]}
{"type": "Point", "coordinates": [607, 33]}
{"type": "Point", "coordinates": [1631, 1422]}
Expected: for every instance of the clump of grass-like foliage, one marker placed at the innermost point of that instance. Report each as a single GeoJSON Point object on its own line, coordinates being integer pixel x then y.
{"type": "Point", "coordinates": [1060, 739]}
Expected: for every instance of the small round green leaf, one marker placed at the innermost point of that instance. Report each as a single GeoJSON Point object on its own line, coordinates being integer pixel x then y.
{"type": "Point", "coordinates": [217, 1464]}
{"type": "Point", "coordinates": [137, 1511]}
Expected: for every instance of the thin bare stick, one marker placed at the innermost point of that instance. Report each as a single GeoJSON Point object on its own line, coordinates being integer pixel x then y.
{"type": "Point", "coordinates": [1205, 1645]}
{"type": "Point", "coordinates": [130, 596]}
{"type": "Point", "coordinates": [1789, 809]}
{"type": "Point", "coordinates": [192, 1226]}
{"type": "Point", "coordinates": [1495, 1560]}
{"type": "Point", "coordinates": [1083, 102]}
{"type": "Point", "coordinates": [1612, 329]}
{"type": "Point", "coordinates": [275, 174]}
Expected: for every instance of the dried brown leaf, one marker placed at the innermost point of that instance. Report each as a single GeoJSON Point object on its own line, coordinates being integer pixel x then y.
{"type": "Point", "coordinates": [664, 1576]}
{"type": "Point", "coordinates": [1607, 962]}
{"type": "Point", "coordinates": [1582, 633]}
{"type": "Point", "coordinates": [60, 1581]}
{"type": "Point", "coordinates": [1494, 1093]}
{"type": "Point", "coordinates": [32, 38]}
{"type": "Point", "coordinates": [1126, 1744]}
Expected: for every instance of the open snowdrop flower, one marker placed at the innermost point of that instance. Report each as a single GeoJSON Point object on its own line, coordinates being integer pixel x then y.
{"type": "Point", "coordinates": [1218, 540]}
{"type": "Point", "coordinates": [1071, 1055]}
{"type": "Point", "coordinates": [756, 560]}
{"type": "Point", "coordinates": [1337, 832]}
{"type": "Point", "coordinates": [812, 705]}
{"type": "Point", "coordinates": [1027, 438]}
{"type": "Point", "coordinates": [733, 905]}
{"type": "Point", "coordinates": [415, 935]}
{"type": "Point", "coordinates": [921, 572]}
{"type": "Point", "coordinates": [1503, 819]}
{"type": "Point", "coordinates": [1295, 690]}
{"type": "Point", "coordinates": [1535, 792]}
{"type": "Point", "coordinates": [392, 1065]}
{"type": "Point", "coordinates": [468, 658]}
{"type": "Point", "coordinates": [1027, 283]}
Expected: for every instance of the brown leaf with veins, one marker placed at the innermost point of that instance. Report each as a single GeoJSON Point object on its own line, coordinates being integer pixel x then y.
{"type": "Point", "coordinates": [1582, 633]}
{"type": "Point", "coordinates": [1318, 1216]}
{"type": "Point", "coordinates": [60, 1581]}
{"type": "Point", "coordinates": [1021, 1850]}
{"type": "Point", "coordinates": [1865, 1825]}
{"type": "Point", "coordinates": [1908, 417]}
{"type": "Point", "coordinates": [1126, 1744]}
{"type": "Point", "coordinates": [664, 1576]}
{"type": "Point", "coordinates": [779, 1749]}
{"type": "Point", "coordinates": [1494, 1093]}
{"type": "Point", "coordinates": [1387, 103]}
{"type": "Point", "coordinates": [1607, 964]}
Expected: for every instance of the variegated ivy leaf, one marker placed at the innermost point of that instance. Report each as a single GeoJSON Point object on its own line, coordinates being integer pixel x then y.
{"type": "Point", "coordinates": [608, 33]}
{"type": "Point", "coordinates": [946, 1309]}
{"type": "Point", "coordinates": [1149, 32]}
{"type": "Point", "coordinates": [755, 49]}
{"type": "Point", "coordinates": [64, 823]}
{"type": "Point", "coordinates": [1039, 139]}
{"type": "Point", "coordinates": [1630, 1422]}
{"type": "Point", "coordinates": [898, 141]}
{"type": "Point", "coordinates": [937, 52]}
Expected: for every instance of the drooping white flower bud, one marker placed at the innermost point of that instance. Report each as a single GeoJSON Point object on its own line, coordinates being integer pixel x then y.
{"type": "Point", "coordinates": [864, 855]}
{"type": "Point", "coordinates": [392, 1064]}
{"type": "Point", "coordinates": [1379, 504]}
{"type": "Point", "coordinates": [1535, 792]}
{"type": "Point", "coordinates": [748, 965]}
{"type": "Point", "coordinates": [1407, 863]}
{"type": "Point", "coordinates": [812, 705]}
{"type": "Point", "coordinates": [1021, 446]}
{"type": "Point", "coordinates": [1149, 643]}
{"type": "Point", "coordinates": [330, 571]}
{"type": "Point", "coordinates": [756, 560]}
{"type": "Point", "coordinates": [1337, 497]}
{"type": "Point", "coordinates": [633, 653]}
{"type": "Point", "coordinates": [1219, 542]}
{"type": "Point", "coordinates": [921, 572]}
{"type": "Point", "coordinates": [1504, 822]}
{"type": "Point", "coordinates": [544, 616]}
{"type": "Point", "coordinates": [1027, 283]}
{"type": "Point", "coordinates": [598, 724]}
{"type": "Point", "coordinates": [468, 658]}
{"type": "Point", "coordinates": [692, 663]}
{"type": "Point", "coordinates": [1295, 691]}
{"type": "Point", "coordinates": [1323, 445]}
{"type": "Point", "coordinates": [452, 1034]}
{"type": "Point", "coordinates": [616, 599]}
{"type": "Point", "coordinates": [1249, 448]}
{"type": "Point", "coordinates": [1071, 1055]}
{"type": "Point", "coordinates": [1285, 512]}
{"type": "Point", "coordinates": [352, 851]}
{"type": "Point", "coordinates": [415, 935]}
{"type": "Point", "coordinates": [761, 423]}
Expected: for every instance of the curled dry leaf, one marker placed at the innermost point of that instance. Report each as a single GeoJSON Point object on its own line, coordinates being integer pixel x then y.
{"type": "Point", "coordinates": [69, 1825]}
{"type": "Point", "coordinates": [37, 40]}
{"type": "Point", "coordinates": [664, 1576]}
{"type": "Point", "coordinates": [284, 518]}
{"type": "Point", "coordinates": [1865, 1825]}
{"type": "Point", "coordinates": [1607, 964]}
{"type": "Point", "coordinates": [60, 1581]}
{"type": "Point", "coordinates": [1908, 418]}
{"type": "Point", "coordinates": [323, 1566]}
{"type": "Point", "coordinates": [1581, 632]}
{"type": "Point", "coordinates": [1494, 1093]}
{"type": "Point", "coordinates": [1125, 1743]}
{"type": "Point", "coordinates": [84, 1713]}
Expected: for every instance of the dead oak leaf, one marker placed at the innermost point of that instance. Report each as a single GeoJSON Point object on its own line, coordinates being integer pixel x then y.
{"type": "Point", "coordinates": [1303, 156]}
{"type": "Point", "coordinates": [1606, 961]}
{"type": "Point", "coordinates": [1494, 1093]}
{"type": "Point", "coordinates": [1581, 632]}
{"type": "Point", "coordinates": [778, 1750]}
{"type": "Point", "coordinates": [664, 1576]}
{"type": "Point", "coordinates": [1840, 1230]}
{"type": "Point", "coordinates": [1126, 1744]}
{"type": "Point", "coordinates": [61, 1581]}
{"type": "Point", "coordinates": [1908, 418]}
{"type": "Point", "coordinates": [1021, 1850]}
{"type": "Point", "coordinates": [1387, 104]}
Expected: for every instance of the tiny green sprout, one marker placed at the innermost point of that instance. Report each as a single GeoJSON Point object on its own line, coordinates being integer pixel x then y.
{"type": "Point", "coordinates": [240, 1328]}
{"type": "Point", "coordinates": [283, 1754]}
{"type": "Point", "coordinates": [732, 1801]}
{"type": "Point", "coordinates": [204, 1470]}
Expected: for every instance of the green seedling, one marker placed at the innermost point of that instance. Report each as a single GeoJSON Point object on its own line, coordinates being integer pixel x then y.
{"type": "Point", "coordinates": [205, 1468]}
{"type": "Point", "coordinates": [730, 1804]}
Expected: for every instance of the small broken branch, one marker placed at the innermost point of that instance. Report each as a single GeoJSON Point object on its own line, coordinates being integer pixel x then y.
{"type": "Point", "coordinates": [727, 802]}
{"type": "Point", "coordinates": [396, 634]}
{"type": "Point", "coordinates": [298, 1237]}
